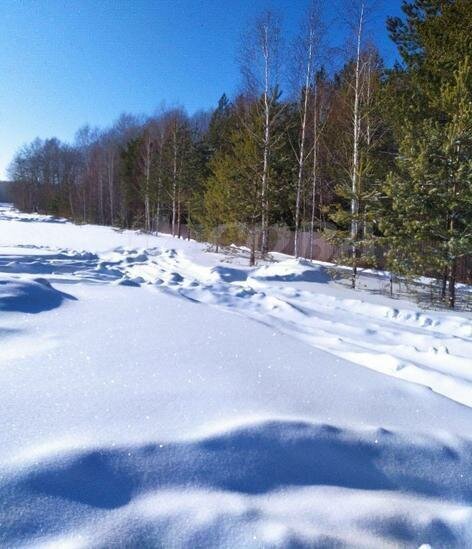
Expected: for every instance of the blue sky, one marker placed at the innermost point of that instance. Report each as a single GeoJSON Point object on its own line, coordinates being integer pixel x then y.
{"type": "Point", "coordinates": [65, 63]}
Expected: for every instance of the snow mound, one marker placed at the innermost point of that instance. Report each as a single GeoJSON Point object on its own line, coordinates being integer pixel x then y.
{"type": "Point", "coordinates": [222, 273]}
{"type": "Point", "coordinates": [46, 262]}
{"type": "Point", "coordinates": [154, 491]}
{"type": "Point", "coordinates": [292, 270]}
{"type": "Point", "coordinates": [29, 296]}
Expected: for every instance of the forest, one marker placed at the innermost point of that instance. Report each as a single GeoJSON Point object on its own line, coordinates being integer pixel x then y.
{"type": "Point", "coordinates": [321, 145]}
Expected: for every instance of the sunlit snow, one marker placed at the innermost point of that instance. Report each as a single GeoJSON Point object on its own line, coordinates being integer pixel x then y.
{"type": "Point", "coordinates": [156, 394]}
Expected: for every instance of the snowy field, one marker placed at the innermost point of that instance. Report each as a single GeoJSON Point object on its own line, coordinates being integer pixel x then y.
{"type": "Point", "coordinates": [154, 394]}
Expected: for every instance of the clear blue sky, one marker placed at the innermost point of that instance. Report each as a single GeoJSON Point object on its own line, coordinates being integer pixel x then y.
{"type": "Point", "coordinates": [64, 63]}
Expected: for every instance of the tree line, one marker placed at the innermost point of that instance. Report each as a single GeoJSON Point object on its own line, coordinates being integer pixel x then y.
{"type": "Point", "coordinates": [378, 159]}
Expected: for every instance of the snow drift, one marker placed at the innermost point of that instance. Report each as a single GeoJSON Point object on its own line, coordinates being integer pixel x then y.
{"type": "Point", "coordinates": [163, 395]}
{"type": "Point", "coordinates": [29, 296]}
{"type": "Point", "coordinates": [293, 270]}
{"type": "Point", "coordinates": [297, 457]}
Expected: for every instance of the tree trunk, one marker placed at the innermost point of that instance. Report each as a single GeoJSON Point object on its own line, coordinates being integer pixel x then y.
{"type": "Point", "coordinates": [158, 192]}
{"type": "Point", "coordinates": [266, 143]}
{"type": "Point", "coordinates": [355, 159]}
{"type": "Point", "coordinates": [84, 210]}
{"type": "Point", "coordinates": [252, 258]}
{"type": "Point", "coordinates": [452, 228]}
{"type": "Point", "coordinates": [147, 190]}
{"type": "Point", "coordinates": [301, 158]}
{"type": "Point", "coordinates": [111, 192]}
{"type": "Point", "coordinates": [100, 197]}
{"type": "Point", "coordinates": [188, 221]}
{"type": "Point", "coordinates": [452, 284]}
{"type": "Point", "coordinates": [445, 278]}
{"type": "Point", "coordinates": [174, 183]}
{"type": "Point", "coordinates": [158, 213]}
{"type": "Point", "coordinates": [179, 218]}
{"type": "Point", "coordinates": [314, 171]}
{"type": "Point", "coordinates": [368, 141]}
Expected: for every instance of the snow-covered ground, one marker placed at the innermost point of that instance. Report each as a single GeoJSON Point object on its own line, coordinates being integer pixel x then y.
{"type": "Point", "coordinates": [153, 394]}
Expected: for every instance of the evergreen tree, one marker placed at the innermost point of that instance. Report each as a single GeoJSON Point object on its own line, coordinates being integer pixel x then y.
{"type": "Point", "coordinates": [232, 210]}
{"type": "Point", "coordinates": [221, 125]}
{"type": "Point", "coordinates": [430, 190]}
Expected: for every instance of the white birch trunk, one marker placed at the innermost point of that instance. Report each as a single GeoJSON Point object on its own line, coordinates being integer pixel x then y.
{"type": "Point", "coordinates": [266, 144]}
{"type": "Point", "coordinates": [355, 159]}
{"type": "Point", "coordinates": [301, 157]}
{"type": "Point", "coordinates": [368, 133]}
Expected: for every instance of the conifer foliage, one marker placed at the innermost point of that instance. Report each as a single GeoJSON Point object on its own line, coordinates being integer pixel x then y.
{"type": "Point", "coordinates": [430, 190]}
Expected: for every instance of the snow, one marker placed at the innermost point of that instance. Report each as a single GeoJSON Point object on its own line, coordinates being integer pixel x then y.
{"type": "Point", "coordinates": [154, 393]}
{"type": "Point", "coordinates": [292, 270]}
{"type": "Point", "coordinates": [29, 296]}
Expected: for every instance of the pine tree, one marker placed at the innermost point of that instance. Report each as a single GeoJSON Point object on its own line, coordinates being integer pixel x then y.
{"type": "Point", "coordinates": [430, 190]}
{"type": "Point", "coordinates": [232, 201]}
{"type": "Point", "coordinates": [221, 125]}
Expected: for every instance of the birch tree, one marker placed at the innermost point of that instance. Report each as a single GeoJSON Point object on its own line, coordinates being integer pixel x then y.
{"type": "Point", "coordinates": [356, 125]}
{"type": "Point", "coordinates": [260, 65]}
{"type": "Point", "coordinates": [355, 93]}
{"type": "Point", "coordinates": [308, 52]}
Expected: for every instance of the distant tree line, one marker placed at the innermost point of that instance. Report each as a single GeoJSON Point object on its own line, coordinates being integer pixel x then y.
{"type": "Point", "coordinates": [5, 191]}
{"type": "Point", "coordinates": [376, 158]}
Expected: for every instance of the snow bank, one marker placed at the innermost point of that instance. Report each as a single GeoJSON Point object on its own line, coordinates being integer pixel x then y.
{"type": "Point", "coordinates": [293, 270]}
{"type": "Point", "coordinates": [29, 296]}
